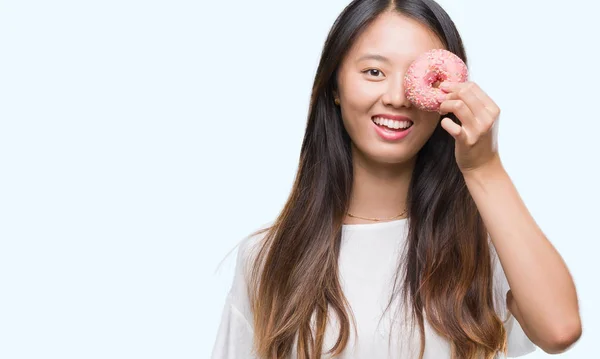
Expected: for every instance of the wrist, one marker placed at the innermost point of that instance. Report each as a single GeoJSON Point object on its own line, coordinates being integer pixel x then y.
{"type": "Point", "coordinates": [491, 170]}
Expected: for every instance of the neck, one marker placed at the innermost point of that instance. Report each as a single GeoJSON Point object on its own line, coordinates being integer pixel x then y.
{"type": "Point", "coordinates": [379, 190]}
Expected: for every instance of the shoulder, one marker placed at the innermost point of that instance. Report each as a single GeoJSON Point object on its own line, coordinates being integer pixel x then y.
{"type": "Point", "coordinates": [247, 251]}
{"type": "Point", "coordinates": [235, 332]}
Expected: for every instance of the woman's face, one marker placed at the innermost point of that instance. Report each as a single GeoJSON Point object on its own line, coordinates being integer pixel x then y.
{"type": "Point", "coordinates": [374, 86]}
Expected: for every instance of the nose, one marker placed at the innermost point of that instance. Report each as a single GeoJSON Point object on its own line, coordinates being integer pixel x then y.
{"type": "Point", "coordinates": [394, 93]}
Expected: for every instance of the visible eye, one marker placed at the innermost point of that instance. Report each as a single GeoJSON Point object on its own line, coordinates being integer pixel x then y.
{"type": "Point", "coordinates": [372, 72]}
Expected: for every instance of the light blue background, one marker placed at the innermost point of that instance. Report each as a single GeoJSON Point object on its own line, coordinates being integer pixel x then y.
{"type": "Point", "coordinates": [141, 140]}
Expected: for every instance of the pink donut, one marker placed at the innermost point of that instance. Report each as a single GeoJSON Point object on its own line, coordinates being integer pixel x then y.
{"type": "Point", "coordinates": [429, 68]}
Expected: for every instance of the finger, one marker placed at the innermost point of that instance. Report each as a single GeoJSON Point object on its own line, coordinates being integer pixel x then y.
{"type": "Point", "coordinates": [484, 97]}
{"type": "Point", "coordinates": [454, 129]}
{"type": "Point", "coordinates": [462, 111]}
{"type": "Point", "coordinates": [450, 86]}
{"type": "Point", "coordinates": [469, 97]}
{"type": "Point", "coordinates": [490, 107]}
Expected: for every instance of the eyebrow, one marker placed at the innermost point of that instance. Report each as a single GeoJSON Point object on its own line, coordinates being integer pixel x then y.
{"type": "Point", "coordinates": [374, 57]}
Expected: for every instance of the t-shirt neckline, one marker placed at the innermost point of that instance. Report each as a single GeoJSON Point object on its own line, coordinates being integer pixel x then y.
{"type": "Point", "coordinates": [376, 225]}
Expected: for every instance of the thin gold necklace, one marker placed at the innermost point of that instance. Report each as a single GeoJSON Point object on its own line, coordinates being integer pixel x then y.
{"type": "Point", "coordinates": [377, 219]}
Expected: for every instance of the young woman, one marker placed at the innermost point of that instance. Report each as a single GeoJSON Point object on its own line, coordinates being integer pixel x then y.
{"type": "Point", "coordinates": [383, 239]}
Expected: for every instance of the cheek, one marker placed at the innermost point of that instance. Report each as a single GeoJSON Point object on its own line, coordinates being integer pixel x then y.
{"type": "Point", "coordinates": [431, 118]}
{"type": "Point", "coordinates": [360, 94]}
{"type": "Point", "coordinates": [358, 97]}
{"type": "Point", "coordinates": [429, 121]}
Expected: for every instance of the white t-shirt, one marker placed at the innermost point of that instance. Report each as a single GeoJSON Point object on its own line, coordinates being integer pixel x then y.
{"type": "Point", "coordinates": [368, 260]}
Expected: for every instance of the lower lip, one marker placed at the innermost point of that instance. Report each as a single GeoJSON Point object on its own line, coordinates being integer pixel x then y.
{"type": "Point", "coordinates": [391, 135]}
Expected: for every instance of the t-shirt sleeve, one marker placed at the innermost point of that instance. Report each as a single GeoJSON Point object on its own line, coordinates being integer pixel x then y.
{"type": "Point", "coordinates": [518, 342]}
{"type": "Point", "coordinates": [235, 335]}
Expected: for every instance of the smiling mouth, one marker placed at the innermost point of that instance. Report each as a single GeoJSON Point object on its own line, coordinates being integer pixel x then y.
{"type": "Point", "coordinates": [392, 126]}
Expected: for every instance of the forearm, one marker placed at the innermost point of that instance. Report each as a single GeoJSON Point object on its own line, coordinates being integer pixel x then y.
{"type": "Point", "coordinates": [540, 282]}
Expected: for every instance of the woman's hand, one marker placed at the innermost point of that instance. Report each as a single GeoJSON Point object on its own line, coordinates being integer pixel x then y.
{"type": "Point", "coordinates": [476, 140]}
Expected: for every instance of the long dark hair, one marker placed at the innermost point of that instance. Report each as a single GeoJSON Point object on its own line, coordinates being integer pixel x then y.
{"type": "Point", "coordinates": [447, 273]}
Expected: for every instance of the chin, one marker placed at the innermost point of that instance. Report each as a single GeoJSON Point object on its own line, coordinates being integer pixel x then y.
{"type": "Point", "coordinates": [394, 160]}
{"type": "Point", "coordinates": [391, 156]}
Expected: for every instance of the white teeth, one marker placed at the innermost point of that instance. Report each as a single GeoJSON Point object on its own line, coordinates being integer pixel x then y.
{"type": "Point", "coordinates": [391, 123]}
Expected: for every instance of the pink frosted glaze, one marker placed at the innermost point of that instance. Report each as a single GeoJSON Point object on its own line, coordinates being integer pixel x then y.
{"type": "Point", "coordinates": [430, 67]}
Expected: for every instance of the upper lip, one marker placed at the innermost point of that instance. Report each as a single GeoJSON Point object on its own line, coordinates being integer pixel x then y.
{"type": "Point", "coordinates": [393, 117]}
